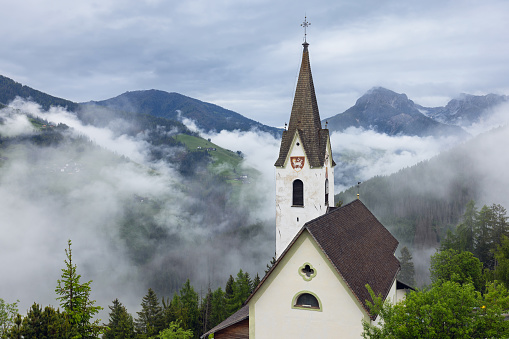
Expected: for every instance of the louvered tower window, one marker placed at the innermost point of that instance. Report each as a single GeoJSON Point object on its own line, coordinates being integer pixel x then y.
{"type": "Point", "coordinates": [298, 193]}
{"type": "Point", "coordinates": [326, 192]}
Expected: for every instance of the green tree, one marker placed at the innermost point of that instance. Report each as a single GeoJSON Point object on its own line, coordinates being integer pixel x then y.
{"type": "Point", "coordinates": [270, 264]}
{"type": "Point", "coordinates": [460, 267]}
{"type": "Point", "coordinates": [121, 323]}
{"type": "Point", "coordinates": [218, 311]}
{"type": "Point", "coordinates": [465, 229]}
{"type": "Point", "coordinates": [8, 314]}
{"type": "Point", "coordinates": [483, 237]}
{"type": "Point", "coordinates": [74, 298]}
{"type": "Point", "coordinates": [205, 310]}
{"type": "Point", "coordinates": [190, 313]}
{"type": "Point", "coordinates": [150, 319]}
{"type": "Point", "coordinates": [500, 225]}
{"type": "Point", "coordinates": [256, 281]}
{"type": "Point", "coordinates": [447, 310]}
{"type": "Point", "coordinates": [240, 290]}
{"type": "Point", "coordinates": [174, 331]}
{"type": "Point", "coordinates": [407, 273]}
{"type": "Point", "coordinates": [48, 323]}
{"type": "Point", "coordinates": [502, 257]}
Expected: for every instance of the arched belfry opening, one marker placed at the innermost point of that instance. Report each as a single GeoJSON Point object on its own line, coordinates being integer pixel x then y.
{"type": "Point", "coordinates": [298, 193]}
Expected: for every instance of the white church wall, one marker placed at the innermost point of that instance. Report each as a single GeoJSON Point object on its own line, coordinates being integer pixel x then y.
{"type": "Point", "coordinates": [271, 313]}
{"type": "Point", "coordinates": [289, 218]}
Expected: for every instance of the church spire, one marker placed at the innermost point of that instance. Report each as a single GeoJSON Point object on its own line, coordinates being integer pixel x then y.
{"type": "Point", "coordinates": [305, 118]}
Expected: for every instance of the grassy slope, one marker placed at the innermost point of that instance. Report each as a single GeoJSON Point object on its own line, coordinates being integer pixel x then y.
{"type": "Point", "coordinates": [225, 163]}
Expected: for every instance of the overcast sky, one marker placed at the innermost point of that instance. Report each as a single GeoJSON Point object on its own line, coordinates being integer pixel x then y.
{"type": "Point", "coordinates": [245, 55]}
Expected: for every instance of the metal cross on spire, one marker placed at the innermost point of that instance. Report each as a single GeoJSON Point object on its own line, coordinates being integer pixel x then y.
{"type": "Point", "coordinates": [305, 24]}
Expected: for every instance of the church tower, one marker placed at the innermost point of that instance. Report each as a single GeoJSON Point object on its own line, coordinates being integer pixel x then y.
{"type": "Point", "coordinates": [305, 168]}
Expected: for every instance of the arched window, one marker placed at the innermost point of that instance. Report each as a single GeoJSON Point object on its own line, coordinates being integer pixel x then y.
{"type": "Point", "coordinates": [306, 300]}
{"type": "Point", "coordinates": [298, 193]}
{"type": "Point", "coordinates": [326, 192]}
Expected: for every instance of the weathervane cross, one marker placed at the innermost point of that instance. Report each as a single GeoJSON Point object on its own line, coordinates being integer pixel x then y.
{"type": "Point", "coordinates": [305, 24]}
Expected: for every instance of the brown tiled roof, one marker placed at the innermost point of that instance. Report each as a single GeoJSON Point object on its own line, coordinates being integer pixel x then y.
{"type": "Point", "coordinates": [358, 246]}
{"type": "Point", "coordinates": [305, 119]}
{"type": "Point", "coordinates": [241, 314]}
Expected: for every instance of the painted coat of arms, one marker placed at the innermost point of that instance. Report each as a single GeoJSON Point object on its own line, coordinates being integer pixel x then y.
{"type": "Point", "coordinates": [297, 163]}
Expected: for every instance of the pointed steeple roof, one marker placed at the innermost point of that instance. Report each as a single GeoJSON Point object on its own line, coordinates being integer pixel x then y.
{"type": "Point", "coordinates": [305, 119]}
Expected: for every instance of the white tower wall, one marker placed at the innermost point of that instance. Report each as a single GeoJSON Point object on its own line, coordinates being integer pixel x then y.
{"type": "Point", "coordinates": [290, 218]}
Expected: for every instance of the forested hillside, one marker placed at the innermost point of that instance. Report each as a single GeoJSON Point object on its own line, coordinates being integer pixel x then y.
{"type": "Point", "coordinates": [9, 90]}
{"type": "Point", "coordinates": [419, 204]}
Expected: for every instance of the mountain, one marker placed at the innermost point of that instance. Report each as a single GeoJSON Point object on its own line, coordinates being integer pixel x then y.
{"type": "Point", "coordinates": [467, 109]}
{"type": "Point", "coordinates": [158, 104]}
{"type": "Point", "coordinates": [385, 111]}
{"type": "Point", "coordinates": [174, 106]}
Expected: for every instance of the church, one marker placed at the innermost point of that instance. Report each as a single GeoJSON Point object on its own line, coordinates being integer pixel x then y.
{"type": "Point", "coordinates": [325, 255]}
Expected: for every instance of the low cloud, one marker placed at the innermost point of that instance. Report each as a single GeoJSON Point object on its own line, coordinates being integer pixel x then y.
{"type": "Point", "coordinates": [363, 154]}
{"type": "Point", "coordinates": [134, 224]}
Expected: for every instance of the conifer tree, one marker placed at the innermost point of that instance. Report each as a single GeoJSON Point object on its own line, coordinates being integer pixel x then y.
{"type": "Point", "coordinates": [407, 273]}
{"type": "Point", "coordinates": [483, 237]}
{"type": "Point", "coordinates": [466, 228]}
{"type": "Point", "coordinates": [48, 323]}
{"type": "Point", "coordinates": [502, 257]}
{"type": "Point", "coordinates": [270, 264]}
{"type": "Point", "coordinates": [500, 225]}
{"type": "Point", "coordinates": [150, 319]}
{"type": "Point", "coordinates": [218, 311]}
{"type": "Point", "coordinates": [189, 304]}
{"type": "Point", "coordinates": [256, 282]}
{"type": "Point", "coordinates": [121, 323]}
{"type": "Point", "coordinates": [74, 298]}
{"type": "Point", "coordinates": [205, 310]}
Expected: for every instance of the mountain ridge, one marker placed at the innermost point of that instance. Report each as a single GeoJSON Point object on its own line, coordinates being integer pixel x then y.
{"type": "Point", "coordinates": [386, 111]}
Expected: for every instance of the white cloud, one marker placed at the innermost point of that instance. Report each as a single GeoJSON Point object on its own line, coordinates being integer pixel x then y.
{"type": "Point", "coordinates": [14, 124]}
{"type": "Point", "coordinates": [369, 154]}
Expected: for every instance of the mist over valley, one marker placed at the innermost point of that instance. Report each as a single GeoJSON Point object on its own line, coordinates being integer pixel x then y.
{"type": "Point", "coordinates": [150, 200]}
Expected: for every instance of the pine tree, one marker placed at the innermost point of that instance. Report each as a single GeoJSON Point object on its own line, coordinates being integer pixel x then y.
{"type": "Point", "coordinates": [150, 319]}
{"type": "Point", "coordinates": [500, 225]}
{"type": "Point", "coordinates": [466, 230]}
{"type": "Point", "coordinates": [228, 289]}
{"type": "Point", "coordinates": [75, 300]}
{"type": "Point", "coordinates": [190, 312]}
{"type": "Point", "coordinates": [241, 289]}
{"type": "Point", "coordinates": [270, 264]}
{"type": "Point", "coordinates": [407, 273]}
{"type": "Point", "coordinates": [483, 237]}
{"type": "Point", "coordinates": [121, 323]}
{"type": "Point", "coordinates": [256, 282]}
{"type": "Point", "coordinates": [205, 310]}
{"type": "Point", "coordinates": [218, 311]}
